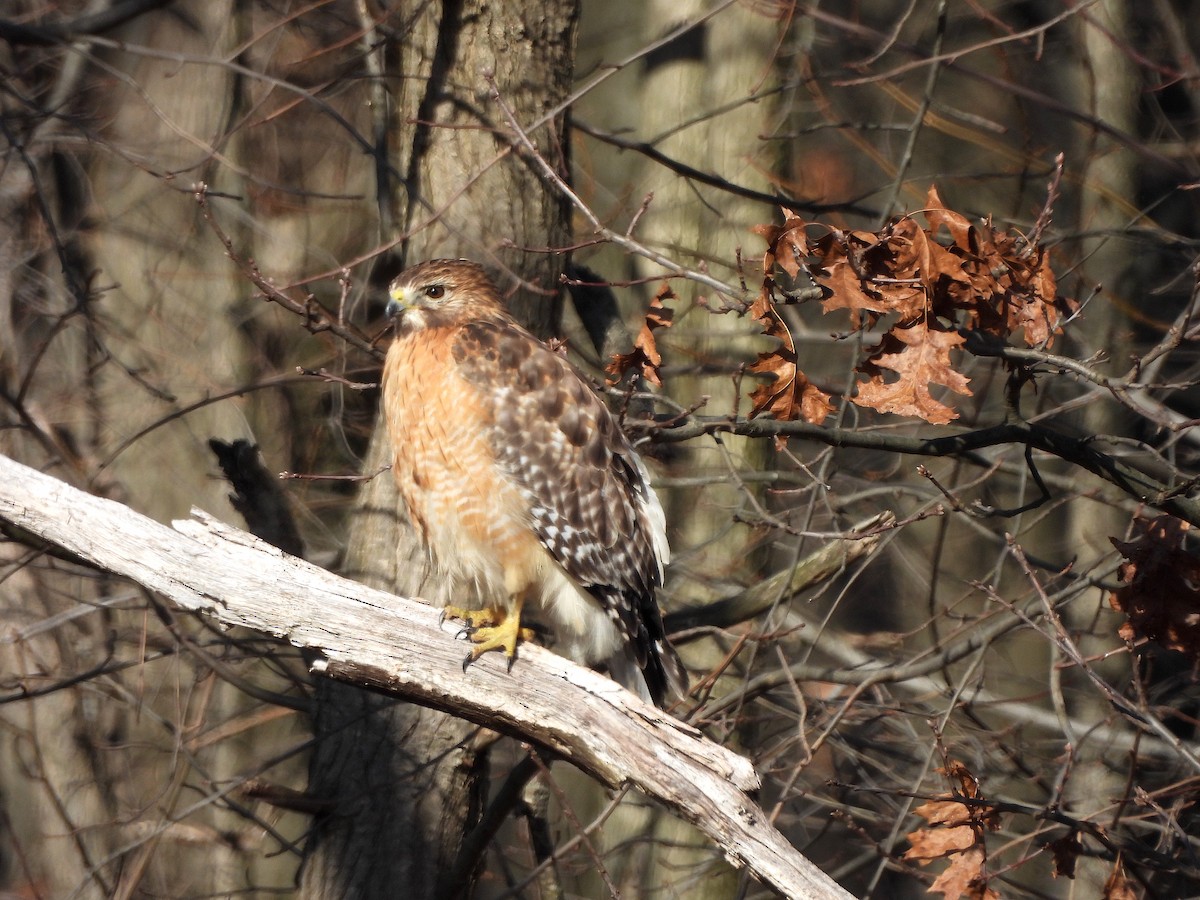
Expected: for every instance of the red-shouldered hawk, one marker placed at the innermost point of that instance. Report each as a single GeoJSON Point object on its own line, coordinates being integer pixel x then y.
{"type": "Point", "coordinates": [521, 483]}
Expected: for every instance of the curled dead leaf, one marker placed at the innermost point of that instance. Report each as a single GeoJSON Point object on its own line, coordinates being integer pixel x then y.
{"type": "Point", "coordinates": [1117, 886]}
{"type": "Point", "coordinates": [938, 216]}
{"type": "Point", "coordinates": [1066, 850]}
{"type": "Point", "coordinates": [789, 395]}
{"type": "Point", "coordinates": [787, 245]}
{"type": "Point", "coordinates": [645, 356]}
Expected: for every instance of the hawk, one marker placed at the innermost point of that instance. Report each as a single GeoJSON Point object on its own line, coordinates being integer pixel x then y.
{"type": "Point", "coordinates": [521, 483]}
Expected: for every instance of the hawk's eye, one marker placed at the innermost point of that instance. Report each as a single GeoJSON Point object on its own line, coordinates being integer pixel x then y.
{"type": "Point", "coordinates": [435, 291]}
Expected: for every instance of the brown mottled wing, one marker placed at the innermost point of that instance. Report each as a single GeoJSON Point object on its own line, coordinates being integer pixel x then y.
{"type": "Point", "coordinates": [555, 438]}
{"type": "Point", "coordinates": [588, 495]}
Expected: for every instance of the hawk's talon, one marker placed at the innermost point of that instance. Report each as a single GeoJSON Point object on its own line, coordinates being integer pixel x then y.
{"type": "Point", "coordinates": [490, 629]}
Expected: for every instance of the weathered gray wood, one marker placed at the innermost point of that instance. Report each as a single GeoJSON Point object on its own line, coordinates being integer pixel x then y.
{"type": "Point", "coordinates": [373, 639]}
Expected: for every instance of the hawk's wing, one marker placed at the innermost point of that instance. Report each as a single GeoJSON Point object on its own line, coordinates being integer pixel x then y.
{"type": "Point", "coordinates": [589, 496]}
{"type": "Point", "coordinates": [590, 500]}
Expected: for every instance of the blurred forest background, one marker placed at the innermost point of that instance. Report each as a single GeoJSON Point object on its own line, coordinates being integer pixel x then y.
{"type": "Point", "coordinates": [200, 204]}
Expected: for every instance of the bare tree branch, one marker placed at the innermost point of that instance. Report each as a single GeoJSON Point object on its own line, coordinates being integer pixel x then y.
{"type": "Point", "coordinates": [1079, 450]}
{"type": "Point", "coordinates": [91, 23]}
{"type": "Point", "coordinates": [392, 644]}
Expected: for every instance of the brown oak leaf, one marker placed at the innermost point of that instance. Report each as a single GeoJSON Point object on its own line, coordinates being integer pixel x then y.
{"type": "Point", "coordinates": [1161, 592]}
{"type": "Point", "coordinates": [968, 784]}
{"type": "Point", "coordinates": [930, 283]}
{"type": "Point", "coordinates": [1034, 309]}
{"type": "Point", "coordinates": [1004, 286]}
{"type": "Point", "coordinates": [944, 812]}
{"type": "Point", "coordinates": [910, 258]}
{"type": "Point", "coordinates": [956, 831]}
{"type": "Point", "coordinates": [964, 877]}
{"type": "Point", "coordinates": [856, 270]}
{"type": "Point", "coordinates": [920, 356]}
{"type": "Point", "coordinates": [1013, 290]}
{"type": "Point", "coordinates": [848, 290]}
{"type": "Point", "coordinates": [934, 843]}
{"type": "Point", "coordinates": [938, 216]}
{"type": "Point", "coordinates": [645, 355]}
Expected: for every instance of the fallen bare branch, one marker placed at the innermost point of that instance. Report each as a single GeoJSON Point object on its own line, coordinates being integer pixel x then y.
{"type": "Point", "coordinates": [371, 639]}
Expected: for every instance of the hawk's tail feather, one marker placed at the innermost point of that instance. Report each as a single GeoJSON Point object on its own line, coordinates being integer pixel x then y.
{"type": "Point", "coordinates": [665, 676]}
{"type": "Point", "coordinates": [623, 668]}
{"type": "Point", "coordinates": [646, 664]}
{"type": "Point", "coordinates": [661, 666]}
{"type": "Point", "coordinates": [660, 680]}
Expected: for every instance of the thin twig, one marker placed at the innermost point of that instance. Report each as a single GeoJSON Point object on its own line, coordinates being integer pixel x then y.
{"type": "Point", "coordinates": [522, 141]}
{"type": "Point", "coordinates": [1141, 717]}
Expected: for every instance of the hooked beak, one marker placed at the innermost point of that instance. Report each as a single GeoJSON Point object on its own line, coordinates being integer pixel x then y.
{"type": "Point", "coordinates": [399, 302]}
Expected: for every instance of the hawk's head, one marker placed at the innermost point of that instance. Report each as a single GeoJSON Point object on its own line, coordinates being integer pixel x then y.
{"type": "Point", "coordinates": [442, 292]}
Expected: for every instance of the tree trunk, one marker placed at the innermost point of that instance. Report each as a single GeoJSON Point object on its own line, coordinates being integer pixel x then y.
{"type": "Point", "coordinates": [1108, 88]}
{"type": "Point", "coordinates": [402, 783]}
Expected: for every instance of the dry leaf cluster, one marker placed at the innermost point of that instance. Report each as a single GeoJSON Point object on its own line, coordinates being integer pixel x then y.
{"type": "Point", "coordinates": [1161, 591]}
{"type": "Point", "coordinates": [957, 827]}
{"type": "Point", "coordinates": [926, 285]}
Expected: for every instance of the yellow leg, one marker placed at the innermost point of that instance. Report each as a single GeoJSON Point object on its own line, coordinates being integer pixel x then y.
{"type": "Point", "coordinates": [491, 629]}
